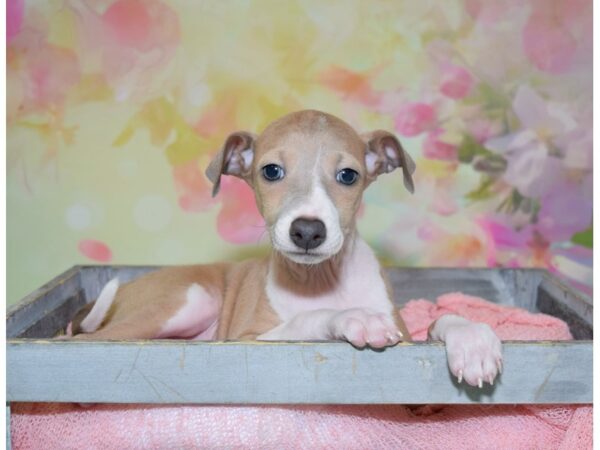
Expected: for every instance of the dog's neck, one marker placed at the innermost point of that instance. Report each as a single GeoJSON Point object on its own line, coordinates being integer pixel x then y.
{"type": "Point", "coordinates": [311, 280]}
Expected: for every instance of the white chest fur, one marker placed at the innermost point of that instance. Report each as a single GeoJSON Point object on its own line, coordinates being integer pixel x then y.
{"type": "Point", "coordinates": [361, 286]}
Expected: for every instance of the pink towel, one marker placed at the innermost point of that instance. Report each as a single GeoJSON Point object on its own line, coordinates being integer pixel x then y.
{"type": "Point", "coordinates": [68, 426]}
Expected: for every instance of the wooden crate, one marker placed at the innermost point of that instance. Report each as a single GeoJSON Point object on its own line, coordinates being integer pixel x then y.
{"type": "Point", "coordinates": [178, 371]}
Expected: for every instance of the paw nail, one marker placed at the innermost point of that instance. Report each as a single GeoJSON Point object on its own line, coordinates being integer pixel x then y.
{"type": "Point", "coordinates": [479, 383]}
{"type": "Point", "coordinates": [399, 333]}
{"type": "Point", "coordinates": [491, 380]}
{"type": "Point", "coordinates": [460, 375]}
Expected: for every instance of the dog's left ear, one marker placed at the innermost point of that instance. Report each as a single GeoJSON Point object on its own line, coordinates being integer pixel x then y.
{"type": "Point", "coordinates": [235, 158]}
{"type": "Point", "coordinates": [385, 153]}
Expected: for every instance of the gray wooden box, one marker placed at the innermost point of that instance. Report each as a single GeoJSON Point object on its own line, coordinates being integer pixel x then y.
{"type": "Point", "coordinates": [177, 371]}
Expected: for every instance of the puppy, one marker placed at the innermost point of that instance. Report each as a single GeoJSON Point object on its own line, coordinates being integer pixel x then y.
{"type": "Point", "coordinates": [321, 281]}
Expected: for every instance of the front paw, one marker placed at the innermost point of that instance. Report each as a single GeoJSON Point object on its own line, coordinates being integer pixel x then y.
{"type": "Point", "coordinates": [361, 327]}
{"type": "Point", "coordinates": [474, 353]}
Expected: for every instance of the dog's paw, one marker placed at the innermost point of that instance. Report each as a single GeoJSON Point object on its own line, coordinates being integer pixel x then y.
{"type": "Point", "coordinates": [361, 327]}
{"type": "Point", "coordinates": [474, 352]}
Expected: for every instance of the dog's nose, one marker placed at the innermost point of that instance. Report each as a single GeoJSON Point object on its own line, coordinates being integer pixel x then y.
{"type": "Point", "coordinates": [308, 233]}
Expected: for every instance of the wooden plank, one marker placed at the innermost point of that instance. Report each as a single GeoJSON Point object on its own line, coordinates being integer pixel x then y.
{"type": "Point", "coordinates": [8, 435]}
{"type": "Point", "coordinates": [42, 302]}
{"type": "Point", "coordinates": [556, 298]}
{"type": "Point", "coordinates": [250, 372]}
{"type": "Point", "coordinates": [55, 321]}
{"type": "Point", "coordinates": [580, 329]}
{"type": "Point", "coordinates": [523, 286]}
{"type": "Point", "coordinates": [93, 278]}
{"type": "Point", "coordinates": [49, 309]}
{"type": "Point", "coordinates": [492, 284]}
{"type": "Point", "coordinates": [513, 287]}
{"type": "Point", "coordinates": [578, 302]}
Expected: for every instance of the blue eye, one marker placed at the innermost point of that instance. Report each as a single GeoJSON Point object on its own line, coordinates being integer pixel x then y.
{"type": "Point", "coordinates": [347, 176]}
{"type": "Point", "coordinates": [272, 172]}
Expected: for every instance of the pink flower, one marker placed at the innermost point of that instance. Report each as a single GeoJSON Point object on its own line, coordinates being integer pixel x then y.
{"type": "Point", "coordinates": [136, 41]}
{"type": "Point", "coordinates": [239, 221]}
{"type": "Point", "coordinates": [52, 72]}
{"type": "Point", "coordinates": [547, 42]}
{"type": "Point", "coordinates": [195, 192]}
{"type": "Point", "coordinates": [510, 242]}
{"type": "Point", "coordinates": [565, 209]}
{"type": "Point", "coordinates": [41, 74]}
{"type": "Point", "coordinates": [95, 250]}
{"type": "Point", "coordinates": [414, 118]}
{"type": "Point", "coordinates": [434, 148]}
{"type": "Point", "coordinates": [14, 18]}
{"type": "Point", "coordinates": [504, 235]}
{"type": "Point", "coordinates": [456, 82]}
{"type": "Point", "coordinates": [142, 25]}
{"type": "Point", "coordinates": [482, 128]}
{"type": "Point", "coordinates": [130, 23]}
{"type": "Point", "coordinates": [531, 168]}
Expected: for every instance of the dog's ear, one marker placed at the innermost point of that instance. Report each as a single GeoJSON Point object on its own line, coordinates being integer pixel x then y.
{"type": "Point", "coordinates": [235, 158]}
{"type": "Point", "coordinates": [384, 153]}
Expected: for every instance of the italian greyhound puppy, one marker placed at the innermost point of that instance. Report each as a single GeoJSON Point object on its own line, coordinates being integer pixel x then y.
{"type": "Point", "coordinates": [321, 281]}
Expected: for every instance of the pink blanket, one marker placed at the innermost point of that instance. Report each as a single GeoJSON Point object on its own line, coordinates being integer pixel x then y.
{"type": "Point", "coordinates": [68, 426]}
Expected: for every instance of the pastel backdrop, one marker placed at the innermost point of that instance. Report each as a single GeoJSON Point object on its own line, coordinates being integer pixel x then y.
{"type": "Point", "coordinates": [114, 108]}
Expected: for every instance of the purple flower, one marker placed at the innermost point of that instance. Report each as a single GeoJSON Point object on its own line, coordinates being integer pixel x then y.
{"type": "Point", "coordinates": [530, 167]}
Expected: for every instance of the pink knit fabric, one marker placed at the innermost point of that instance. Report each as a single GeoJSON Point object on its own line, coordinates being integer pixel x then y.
{"type": "Point", "coordinates": [68, 426]}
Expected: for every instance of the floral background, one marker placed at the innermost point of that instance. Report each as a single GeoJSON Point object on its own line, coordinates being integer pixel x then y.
{"type": "Point", "coordinates": [114, 108]}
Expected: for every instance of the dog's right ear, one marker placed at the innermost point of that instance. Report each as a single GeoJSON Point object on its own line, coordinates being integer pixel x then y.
{"type": "Point", "coordinates": [235, 158]}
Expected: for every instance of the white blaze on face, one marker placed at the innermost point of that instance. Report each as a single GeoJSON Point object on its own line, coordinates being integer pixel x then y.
{"type": "Point", "coordinates": [316, 205]}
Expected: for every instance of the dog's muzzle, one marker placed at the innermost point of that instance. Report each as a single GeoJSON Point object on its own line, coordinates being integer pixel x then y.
{"type": "Point", "coordinates": [308, 233]}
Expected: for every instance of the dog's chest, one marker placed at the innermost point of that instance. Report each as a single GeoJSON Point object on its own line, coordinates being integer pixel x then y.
{"type": "Point", "coordinates": [361, 286]}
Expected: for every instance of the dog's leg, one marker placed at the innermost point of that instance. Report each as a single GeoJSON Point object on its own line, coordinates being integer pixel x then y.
{"type": "Point", "coordinates": [474, 351]}
{"type": "Point", "coordinates": [196, 318]}
{"type": "Point", "coordinates": [359, 326]}
{"type": "Point", "coordinates": [121, 331]}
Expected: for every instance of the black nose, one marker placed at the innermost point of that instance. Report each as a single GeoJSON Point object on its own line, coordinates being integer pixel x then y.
{"type": "Point", "coordinates": [308, 233]}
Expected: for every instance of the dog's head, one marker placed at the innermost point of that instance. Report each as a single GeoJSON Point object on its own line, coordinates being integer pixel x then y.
{"type": "Point", "coordinates": [308, 171]}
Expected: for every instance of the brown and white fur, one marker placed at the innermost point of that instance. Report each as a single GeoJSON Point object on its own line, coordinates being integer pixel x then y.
{"type": "Point", "coordinates": [333, 288]}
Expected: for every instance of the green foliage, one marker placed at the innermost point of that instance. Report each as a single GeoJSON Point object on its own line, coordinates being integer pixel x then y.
{"type": "Point", "coordinates": [584, 238]}
{"type": "Point", "coordinates": [484, 191]}
{"type": "Point", "coordinates": [469, 148]}
{"type": "Point", "coordinates": [493, 98]}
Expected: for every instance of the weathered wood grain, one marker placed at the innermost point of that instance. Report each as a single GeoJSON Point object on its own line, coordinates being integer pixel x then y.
{"type": "Point", "coordinates": [227, 373]}
{"type": "Point", "coordinates": [194, 372]}
{"type": "Point", "coordinates": [555, 298]}
{"type": "Point", "coordinates": [42, 302]}
{"type": "Point", "coordinates": [511, 287]}
{"type": "Point", "coordinates": [8, 435]}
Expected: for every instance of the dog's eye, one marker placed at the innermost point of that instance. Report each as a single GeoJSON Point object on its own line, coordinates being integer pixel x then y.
{"type": "Point", "coordinates": [272, 172]}
{"type": "Point", "coordinates": [347, 176]}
